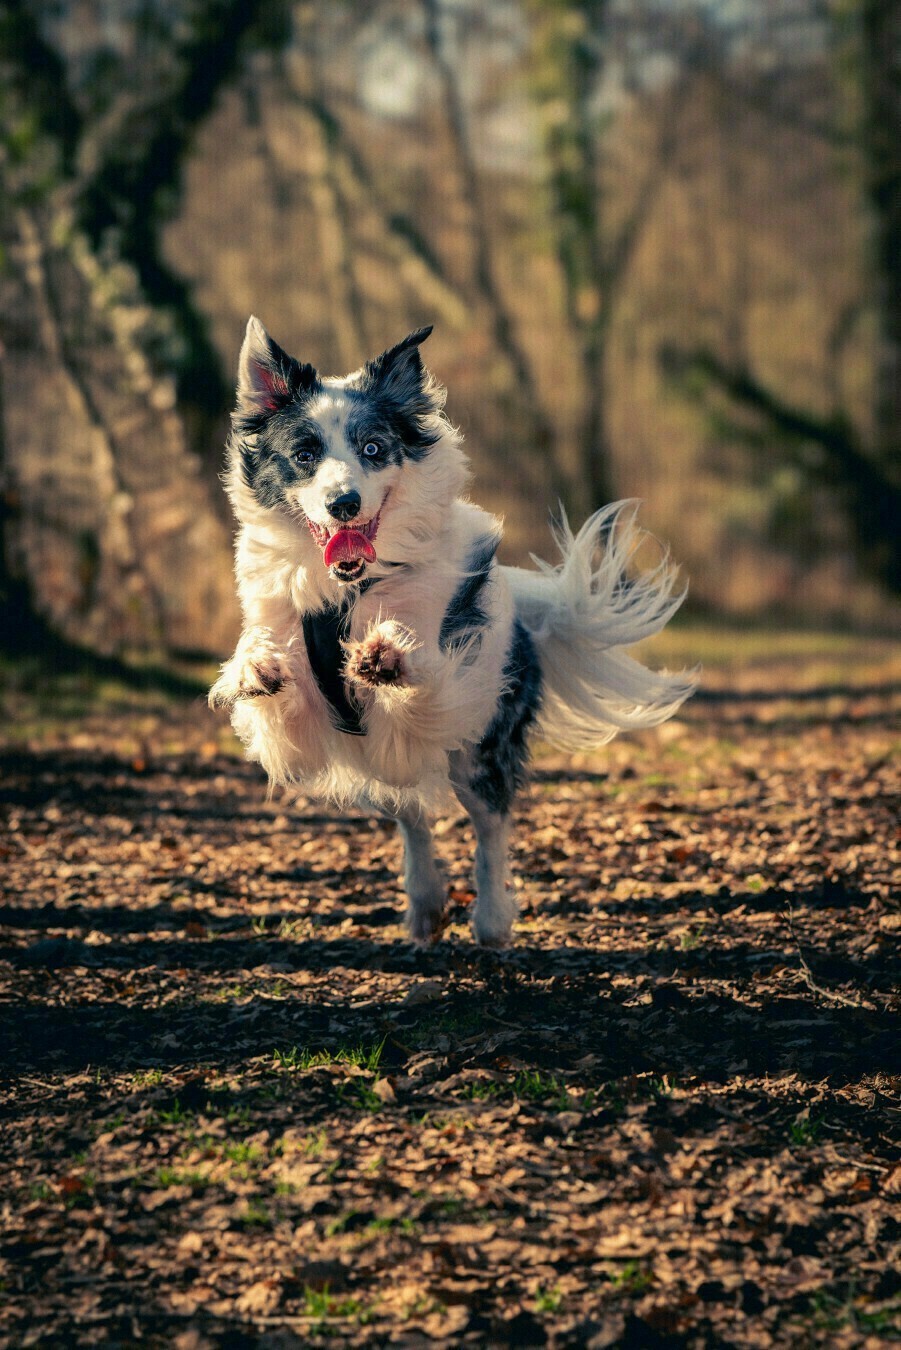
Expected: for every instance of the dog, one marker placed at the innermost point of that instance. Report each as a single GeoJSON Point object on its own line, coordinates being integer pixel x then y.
{"type": "Point", "coordinates": [387, 659]}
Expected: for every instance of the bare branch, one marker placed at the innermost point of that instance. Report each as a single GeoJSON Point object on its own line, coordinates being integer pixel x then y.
{"type": "Point", "coordinates": [872, 500]}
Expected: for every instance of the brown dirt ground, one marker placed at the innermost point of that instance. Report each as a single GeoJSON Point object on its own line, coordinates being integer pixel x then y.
{"type": "Point", "coordinates": [240, 1110]}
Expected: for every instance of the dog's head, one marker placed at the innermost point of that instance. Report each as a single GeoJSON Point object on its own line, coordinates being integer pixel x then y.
{"type": "Point", "coordinates": [331, 451]}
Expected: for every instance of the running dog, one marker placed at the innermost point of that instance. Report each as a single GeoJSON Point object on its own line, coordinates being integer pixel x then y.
{"type": "Point", "coordinates": [387, 659]}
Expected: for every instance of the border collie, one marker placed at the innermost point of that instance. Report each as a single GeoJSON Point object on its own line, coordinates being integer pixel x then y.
{"type": "Point", "coordinates": [387, 659]}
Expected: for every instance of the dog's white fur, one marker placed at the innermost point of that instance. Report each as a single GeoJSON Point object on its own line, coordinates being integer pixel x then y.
{"type": "Point", "coordinates": [581, 616]}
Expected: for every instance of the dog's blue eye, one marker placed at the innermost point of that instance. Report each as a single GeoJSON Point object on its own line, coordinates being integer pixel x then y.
{"type": "Point", "coordinates": [370, 449]}
{"type": "Point", "coordinates": [304, 456]}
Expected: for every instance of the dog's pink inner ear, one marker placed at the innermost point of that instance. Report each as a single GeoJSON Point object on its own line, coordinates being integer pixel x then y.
{"type": "Point", "coordinates": [269, 378]}
{"type": "Point", "coordinates": [269, 389]}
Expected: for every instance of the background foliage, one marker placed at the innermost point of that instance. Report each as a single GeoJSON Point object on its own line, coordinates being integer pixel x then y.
{"type": "Point", "coordinates": [658, 240]}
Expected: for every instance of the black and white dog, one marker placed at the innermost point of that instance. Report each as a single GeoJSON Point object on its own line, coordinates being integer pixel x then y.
{"type": "Point", "coordinates": [387, 658]}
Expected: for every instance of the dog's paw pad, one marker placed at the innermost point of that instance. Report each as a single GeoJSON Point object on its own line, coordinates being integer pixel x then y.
{"type": "Point", "coordinates": [376, 661]}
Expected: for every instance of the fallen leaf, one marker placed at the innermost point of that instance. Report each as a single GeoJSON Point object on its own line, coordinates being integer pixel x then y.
{"type": "Point", "coordinates": [423, 991]}
{"type": "Point", "coordinates": [262, 1297]}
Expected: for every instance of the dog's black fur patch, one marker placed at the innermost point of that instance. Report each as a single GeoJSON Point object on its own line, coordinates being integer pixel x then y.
{"type": "Point", "coordinates": [323, 633]}
{"type": "Point", "coordinates": [465, 615]}
{"type": "Point", "coordinates": [270, 464]}
{"type": "Point", "coordinates": [399, 427]}
{"type": "Point", "coordinates": [499, 761]}
{"type": "Point", "coordinates": [369, 421]}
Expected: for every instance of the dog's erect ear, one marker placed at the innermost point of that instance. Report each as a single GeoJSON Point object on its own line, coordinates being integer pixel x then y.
{"type": "Point", "coordinates": [399, 371]}
{"type": "Point", "coordinates": [269, 378]}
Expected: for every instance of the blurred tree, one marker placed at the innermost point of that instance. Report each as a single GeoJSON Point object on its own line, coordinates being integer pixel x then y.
{"type": "Point", "coordinates": [110, 535]}
{"type": "Point", "coordinates": [881, 78]}
{"type": "Point", "coordinates": [861, 473]}
{"type": "Point", "coordinates": [595, 248]}
{"type": "Point", "coordinates": [540, 441]}
{"type": "Point", "coordinates": [568, 53]}
{"type": "Point", "coordinates": [870, 498]}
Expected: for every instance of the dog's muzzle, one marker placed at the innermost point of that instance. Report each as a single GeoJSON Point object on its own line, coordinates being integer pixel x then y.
{"type": "Point", "coordinates": [348, 550]}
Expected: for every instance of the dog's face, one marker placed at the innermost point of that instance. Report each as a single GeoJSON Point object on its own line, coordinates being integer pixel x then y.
{"type": "Point", "coordinates": [331, 450]}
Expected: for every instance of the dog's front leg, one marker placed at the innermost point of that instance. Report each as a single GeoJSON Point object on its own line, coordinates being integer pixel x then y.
{"type": "Point", "coordinates": [259, 668]}
{"type": "Point", "coordinates": [425, 886]}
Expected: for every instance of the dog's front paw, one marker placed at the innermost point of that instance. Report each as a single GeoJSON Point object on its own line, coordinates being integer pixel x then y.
{"type": "Point", "coordinates": [258, 669]}
{"type": "Point", "coordinates": [382, 657]}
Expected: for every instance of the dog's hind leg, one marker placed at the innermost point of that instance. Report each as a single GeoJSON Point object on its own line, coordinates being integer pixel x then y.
{"type": "Point", "coordinates": [487, 777]}
{"type": "Point", "coordinates": [495, 907]}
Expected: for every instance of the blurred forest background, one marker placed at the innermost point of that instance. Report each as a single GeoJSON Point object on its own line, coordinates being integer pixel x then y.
{"type": "Point", "coordinates": [660, 241]}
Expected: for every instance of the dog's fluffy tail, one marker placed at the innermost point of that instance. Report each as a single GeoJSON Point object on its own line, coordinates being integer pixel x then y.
{"type": "Point", "coordinates": [582, 614]}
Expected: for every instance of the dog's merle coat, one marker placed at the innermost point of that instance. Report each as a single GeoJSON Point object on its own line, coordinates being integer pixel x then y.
{"type": "Point", "coordinates": [466, 614]}
{"type": "Point", "coordinates": [499, 760]}
{"type": "Point", "coordinates": [387, 657]}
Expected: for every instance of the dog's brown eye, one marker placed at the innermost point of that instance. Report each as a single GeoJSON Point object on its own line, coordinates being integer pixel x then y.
{"type": "Point", "coordinates": [303, 456]}
{"type": "Point", "coordinates": [371, 449]}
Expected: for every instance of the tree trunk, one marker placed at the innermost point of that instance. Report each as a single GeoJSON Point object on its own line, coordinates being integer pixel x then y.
{"type": "Point", "coordinates": [882, 145]}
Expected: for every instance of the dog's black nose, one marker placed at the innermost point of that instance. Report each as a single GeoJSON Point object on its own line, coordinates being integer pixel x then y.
{"type": "Point", "coordinates": [346, 506]}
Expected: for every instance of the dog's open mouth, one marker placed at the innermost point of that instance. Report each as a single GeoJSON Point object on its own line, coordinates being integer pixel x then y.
{"type": "Point", "coordinates": [348, 550]}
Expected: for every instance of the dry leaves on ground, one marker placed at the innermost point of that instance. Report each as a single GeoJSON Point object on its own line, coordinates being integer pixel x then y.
{"type": "Point", "coordinates": [240, 1109]}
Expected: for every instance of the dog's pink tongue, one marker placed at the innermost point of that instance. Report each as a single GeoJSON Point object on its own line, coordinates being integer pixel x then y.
{"type": "Point", "coordinates": [347, 546]}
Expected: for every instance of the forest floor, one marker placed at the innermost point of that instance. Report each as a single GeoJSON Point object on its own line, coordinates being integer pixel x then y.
{"type": "Point", "coordinates": [239, 1109]}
